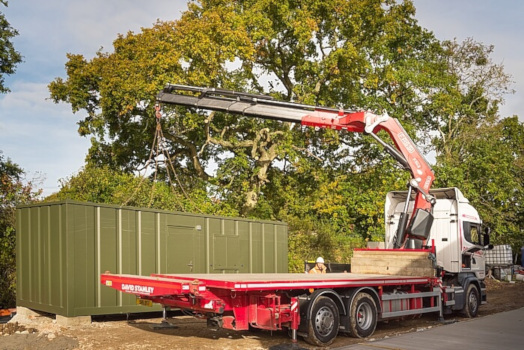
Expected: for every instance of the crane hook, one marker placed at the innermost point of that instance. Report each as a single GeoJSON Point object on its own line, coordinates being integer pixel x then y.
{"type": "Point", "coordinates": [158, 115]}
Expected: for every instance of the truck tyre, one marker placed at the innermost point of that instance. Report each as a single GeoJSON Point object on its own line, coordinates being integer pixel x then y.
{"type": "Point", "coordinates": [363, 316]}
{"type": "Point", "coordinates": [472, 302]}
{"type": "Point", "coordinates": [324, 322]}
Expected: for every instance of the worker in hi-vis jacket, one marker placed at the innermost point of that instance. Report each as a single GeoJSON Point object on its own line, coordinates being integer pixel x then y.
{"type": "Point", "coordinates": [319, 266]}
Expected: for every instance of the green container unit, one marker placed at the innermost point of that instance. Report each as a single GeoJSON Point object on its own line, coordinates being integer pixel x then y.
{"type": "Point", "coordinates": [63, 247]}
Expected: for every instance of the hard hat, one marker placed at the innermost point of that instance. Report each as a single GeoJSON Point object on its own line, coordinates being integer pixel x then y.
{"type": "Point", "coordinates": [320, 260]}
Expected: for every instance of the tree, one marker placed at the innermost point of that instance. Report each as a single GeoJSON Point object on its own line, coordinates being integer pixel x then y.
{"type": "Point", "coordinates": [487, 164]}
{"type": "Point", "coordinates": [370, 54]}
{"type": "Point", "coordinates": [328, 185]}
{"type": "Point", "coordinates": [477, 151]}
{"type": "Point", "coordinates": [9, 57]}
{"type": "Point", "coordinates": [472, 92]}
{"type": "Point", "coordinates": [13, 192]}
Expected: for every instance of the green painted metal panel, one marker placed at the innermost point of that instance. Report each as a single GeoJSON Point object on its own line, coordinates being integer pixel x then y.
{"type": "Point", "coordinates": [281, 247]}
{"type": "Point", "coordinates": [23, 254]}
{"type": "Point", "coordinates": [269, 243]}
{"type": "Point", "coordinates": [257, 255]}
{"type": "Point", "coordinates": [226, 257]}
{"type": "Point", "coordinates": [213, 229]}
{"type": "Point", "coordinates": [81, 221]}
{"type": "Point", "coordinates": [34, 248]}
{"type": "Point", "coordinates": [56, 257]}
{"type": "Point", "coordinates": [40, 272]}
{"type": "Point", "coordinates": [244, 249]}
{"type": "Point", "coordinates": [107, 246]}
{"type": "Point", "coordinates": [63, 247]}
{"type": "Point", "coordinates": [147, 243]}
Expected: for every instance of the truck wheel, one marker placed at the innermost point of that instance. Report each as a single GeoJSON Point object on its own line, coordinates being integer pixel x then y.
{"type": "Point", "coordinates": [471, 306]}
{"type": "Point", "coordinates": [363, 316]}
{"type": "Point", "coordinates": [324, 322]}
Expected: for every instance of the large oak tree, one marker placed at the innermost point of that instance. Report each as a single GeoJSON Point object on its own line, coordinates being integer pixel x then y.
{"type": "Point", "coordinates": [370, 54]}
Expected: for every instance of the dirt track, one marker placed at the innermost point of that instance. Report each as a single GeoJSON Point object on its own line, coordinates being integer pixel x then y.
{"type": "Point", "coordinates": [43, 333]}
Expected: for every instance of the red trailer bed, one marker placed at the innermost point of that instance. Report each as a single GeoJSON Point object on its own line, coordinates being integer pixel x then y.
{"type": "Point", "coordinates": [169, 284]}
{"type": "Point", "coordinates": [315, 306]}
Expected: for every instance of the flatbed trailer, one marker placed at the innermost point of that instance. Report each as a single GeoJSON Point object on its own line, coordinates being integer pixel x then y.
{"type": "Point", "coordinates": [314, 306]}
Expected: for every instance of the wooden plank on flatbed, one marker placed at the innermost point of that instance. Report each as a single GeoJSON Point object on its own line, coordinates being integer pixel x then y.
{"type": "Point", "coordinates": [392, 262]}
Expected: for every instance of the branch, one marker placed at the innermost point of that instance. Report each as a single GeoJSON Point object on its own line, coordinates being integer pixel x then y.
{"type": "Point", "coordinates": [192, 152]}
{"type": "Point", "coordinates": [206, 130]}
{"type": "Point", "coordinates": [308, 153]}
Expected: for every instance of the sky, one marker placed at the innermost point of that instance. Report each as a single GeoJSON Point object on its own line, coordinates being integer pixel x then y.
{"type": "Point", "coordinates": [41, 136]}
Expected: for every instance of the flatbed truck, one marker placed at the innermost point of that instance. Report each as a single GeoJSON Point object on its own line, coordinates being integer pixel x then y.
{"type": "Point", "coordinates": [316, 307]}
{"type": "Point", "coordinates": [432, 260]}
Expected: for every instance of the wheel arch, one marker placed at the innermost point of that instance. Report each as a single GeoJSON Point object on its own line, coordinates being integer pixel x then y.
{"type": "Point", "coordinates": [468, 279]}
{"type": "Point", "coordinates": [470, 304]}
{"type": "Point", "coordinates": [330, 293]}
{"type": "Point", "coordinates": [466, 282]}
{"type": "Point", "coordinates": [476, 282]}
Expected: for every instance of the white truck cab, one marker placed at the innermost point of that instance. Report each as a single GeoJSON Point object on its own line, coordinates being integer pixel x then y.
{"type": "Point", "coordinates": [460, 243]}
{"type": "Point", "coordinates": [456, 230]}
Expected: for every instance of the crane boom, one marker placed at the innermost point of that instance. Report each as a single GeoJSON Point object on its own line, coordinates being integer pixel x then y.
{"type": "Point", "coordinates": [264, 106]}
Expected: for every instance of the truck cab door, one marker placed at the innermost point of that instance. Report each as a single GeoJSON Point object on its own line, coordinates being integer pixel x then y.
{"type": "Point", "coordinates": [445, 233]}
{"type": "Point", "coordinates": [473, 259]}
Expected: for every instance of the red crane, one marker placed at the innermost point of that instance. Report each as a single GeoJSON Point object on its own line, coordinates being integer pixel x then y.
{"type": "Point", "coordinates": [264, 106]}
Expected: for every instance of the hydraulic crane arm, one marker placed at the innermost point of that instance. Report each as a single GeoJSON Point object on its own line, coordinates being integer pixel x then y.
{"type": "Point", "coordinates": [263, 106]}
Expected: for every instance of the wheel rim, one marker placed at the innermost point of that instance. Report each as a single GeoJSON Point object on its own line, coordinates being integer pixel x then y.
{"type": "Point", "coordinates": [473, 302]}
{"type": "Point", "coordinates": [364, 316]}
{"type": "Point", "coordinates": [324, 321]}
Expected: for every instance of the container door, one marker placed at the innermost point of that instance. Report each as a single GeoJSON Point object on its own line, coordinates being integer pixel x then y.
{"type": "Point", "coordinates": [227, 253]}
{"type": "Point", "coordinates": [180, 249]}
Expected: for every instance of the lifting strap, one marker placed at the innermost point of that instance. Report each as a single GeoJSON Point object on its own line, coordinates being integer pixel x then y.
{"type": "Point", "coordinates": [157, 148]}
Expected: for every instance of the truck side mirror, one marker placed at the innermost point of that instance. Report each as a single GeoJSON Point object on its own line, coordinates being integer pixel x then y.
{"type": "Point", "coordinates": [420, 225]}
{"type": "Point", "coordinates": [485, 239]}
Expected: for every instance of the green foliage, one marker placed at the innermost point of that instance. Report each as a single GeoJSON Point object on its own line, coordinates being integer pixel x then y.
{"type": "Point", "coordinates": [9, 57]}
{"type": "Point", "coordinates": [14, 191]}
{"type": "Point", "coordinates": [488, 166]}
{"type": "Point", "coordinates": [109, 186]}
{"type": "Point", "coordinates": [310, 238]}
{"type": "Point", "coordinates": [327, 52]}
{"type": "Point", "coordinates": [472, 91]}
{"type": "Point", "coordinates": [476, 150]}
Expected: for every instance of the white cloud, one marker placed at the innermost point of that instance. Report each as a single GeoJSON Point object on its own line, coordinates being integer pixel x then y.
{"type": "Point", "coordinates": [30, 96]}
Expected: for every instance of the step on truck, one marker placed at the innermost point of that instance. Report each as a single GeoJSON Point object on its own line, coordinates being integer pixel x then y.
{"type": "Point", "coordinates": [432, 260]}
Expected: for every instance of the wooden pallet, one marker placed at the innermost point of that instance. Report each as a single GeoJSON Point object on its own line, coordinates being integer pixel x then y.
{"type": "Point", "coordinates": [392, 262]}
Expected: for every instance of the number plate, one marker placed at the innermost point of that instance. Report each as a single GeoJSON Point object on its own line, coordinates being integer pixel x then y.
{"type": "Point", "coordinates": [144, 302]}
